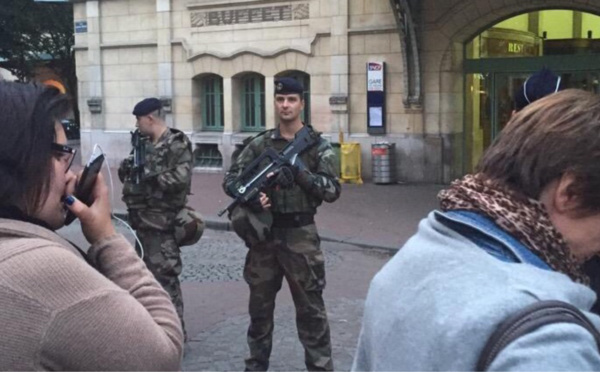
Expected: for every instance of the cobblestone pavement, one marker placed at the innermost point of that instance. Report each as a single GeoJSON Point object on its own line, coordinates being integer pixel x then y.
{"type": "Point", "coordinates": [220, 257]}
{"type": "Point", "coordinates": [222, 346]}
{"type": "Point", "coordinates": [215, 298]}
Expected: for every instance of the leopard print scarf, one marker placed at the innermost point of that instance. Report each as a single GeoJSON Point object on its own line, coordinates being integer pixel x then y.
{"type": "Point", "coordinates": [524, 218]}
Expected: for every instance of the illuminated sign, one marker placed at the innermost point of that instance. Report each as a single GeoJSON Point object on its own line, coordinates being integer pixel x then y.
{"type": "Point", "coordinates": [515, 47]}
{"type": "Point", "coordinates": [509, 46]}
{"type": "Point", "coordinates": [375, 77]}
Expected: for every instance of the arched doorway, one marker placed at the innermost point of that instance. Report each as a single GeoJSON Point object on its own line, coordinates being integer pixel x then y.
{"type": "Point", "coordinates": [498, 60]}
{"type": "Point", "coordinates": [447, 27]}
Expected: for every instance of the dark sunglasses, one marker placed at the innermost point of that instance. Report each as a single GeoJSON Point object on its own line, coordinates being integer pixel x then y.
{"type": "Point", "coordinates": [64, 149]}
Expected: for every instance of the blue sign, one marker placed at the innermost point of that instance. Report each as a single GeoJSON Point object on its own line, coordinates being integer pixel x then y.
{"type": "Point", "coordinates": [80, 27]}
{"type": "Point", "coordinates": [376, 98]}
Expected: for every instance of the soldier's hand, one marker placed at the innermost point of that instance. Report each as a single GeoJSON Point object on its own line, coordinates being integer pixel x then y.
{"type": "Point", "coordinates": [127, 163]}
{"type": "Point", "coordinates": [259, 203]}
{"type": "Point", "coordinates": [286, 176]}
{"type": "Point", "coordinates": [264, 201]}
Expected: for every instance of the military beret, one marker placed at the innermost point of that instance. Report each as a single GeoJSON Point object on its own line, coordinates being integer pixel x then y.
{"type": "Point", "coordinates": [288, 85]}
{"type": "Point", "coordinates": [538, 85]}
{"type": "Point", "coordinates": [147, 106]}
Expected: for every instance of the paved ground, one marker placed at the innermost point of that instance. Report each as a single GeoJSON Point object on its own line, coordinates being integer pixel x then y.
{"type": "Point", "coordinates": [216, 296]}
{"type": "Point", "coordinates": [216, 305]}
{"type": "Point", "coordinates": [360, 232]}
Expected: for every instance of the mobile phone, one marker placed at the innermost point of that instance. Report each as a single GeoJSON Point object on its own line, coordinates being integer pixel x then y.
{"type": "Point", "coordinates": [84, 187]}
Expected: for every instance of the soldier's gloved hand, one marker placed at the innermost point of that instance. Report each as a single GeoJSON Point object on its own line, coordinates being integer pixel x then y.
{"type": "Point", "coordinates": [125, 168]}
{"type": "Point", "coordinates": [305, 179]}
{"type": "Point", "coordinates": [127, 163]}
{"type": "Point", "coordinates": [286, 176]}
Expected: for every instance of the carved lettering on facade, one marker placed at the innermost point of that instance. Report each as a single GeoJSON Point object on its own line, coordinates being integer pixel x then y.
{"type": "Point", "coordinates": [250, 15]}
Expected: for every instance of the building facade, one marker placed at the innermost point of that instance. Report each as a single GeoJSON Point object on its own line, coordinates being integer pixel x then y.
{"type": "Point", "coordinates": [425, 75]}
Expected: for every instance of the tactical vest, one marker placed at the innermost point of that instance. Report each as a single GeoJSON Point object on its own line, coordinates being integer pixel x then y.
{"type": "Point", "coordinates": [294, 199]}
{"type": "Point", "coordinates": [148, 194]}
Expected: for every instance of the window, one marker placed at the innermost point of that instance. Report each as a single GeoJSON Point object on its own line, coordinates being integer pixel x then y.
{"type": "Point", "coordinates": [304, 79]}
{"type": "Point", "coordinates": [253, 103]}
{"type": "Point", "coordinates": [212, 103]}
{"type": "Point", "coordinates": [208, 156]}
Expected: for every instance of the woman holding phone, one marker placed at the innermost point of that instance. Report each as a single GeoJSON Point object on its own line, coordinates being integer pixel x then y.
{"type": "Point", "coordinates": [58, 309]}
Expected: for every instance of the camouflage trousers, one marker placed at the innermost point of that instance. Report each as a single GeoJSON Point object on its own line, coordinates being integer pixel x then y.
{"type": "Point", "coordinates": [294, 254]}
{"type": "Point", "coordinates": [163, 259]}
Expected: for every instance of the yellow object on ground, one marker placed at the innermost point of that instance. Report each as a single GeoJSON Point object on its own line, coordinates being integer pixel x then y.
{"type": "Point", "coordinates": [350, 171]}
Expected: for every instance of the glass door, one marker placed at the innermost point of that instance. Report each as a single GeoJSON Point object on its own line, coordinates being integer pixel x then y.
{"type": "Point", "coordinates": [478, 117]}
{"type": "Point", "coordinates": [489, 105]}
{"type": "Point", "coordinates": [586, 80]}
{"type": "Point", "coordinates": [505, 88]}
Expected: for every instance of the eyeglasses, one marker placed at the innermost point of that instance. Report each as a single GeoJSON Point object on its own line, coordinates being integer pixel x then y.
{"type": "Point", "coordinates": [66, 154]}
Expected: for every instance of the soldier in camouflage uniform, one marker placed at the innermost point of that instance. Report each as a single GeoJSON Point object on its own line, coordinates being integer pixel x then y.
{"type": "Point", "coordinates": [153, 204]}
{"type": "Point", "coordinates": [280, 232]}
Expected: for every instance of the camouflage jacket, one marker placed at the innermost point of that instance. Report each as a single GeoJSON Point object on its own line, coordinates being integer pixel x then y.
{"type": "Point", "coordinates": [318, 183]}
{"type": "Point", "coordinates": [167, 175]}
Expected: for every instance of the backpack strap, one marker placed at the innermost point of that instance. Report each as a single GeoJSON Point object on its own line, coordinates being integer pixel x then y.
{"type": "Point", "coordinates": [528, 320]}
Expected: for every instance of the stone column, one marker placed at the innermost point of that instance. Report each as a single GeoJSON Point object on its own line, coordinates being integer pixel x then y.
{"type": "Point", "coordinates": [165, 57]}
{"type": "Point", "coordinates": [94, 102]}
{"type": "Point", "coordinates": [339, 66]}
{"type": "Point", "coordinates": [227, 145]}
{"type": "Point", "coordinates": [228, 116]}
{"type": "Point", "coordinates": [269, 108]}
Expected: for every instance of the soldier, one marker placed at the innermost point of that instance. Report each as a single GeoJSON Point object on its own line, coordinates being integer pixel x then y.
{"type": "Point", "coordinates": [279, 230]}
{"type": "Point", "coordinates": [156, 200]}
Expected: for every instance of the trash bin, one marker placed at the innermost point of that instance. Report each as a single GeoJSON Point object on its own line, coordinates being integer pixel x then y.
{"type": "Point", "coordinates": [383, 160]}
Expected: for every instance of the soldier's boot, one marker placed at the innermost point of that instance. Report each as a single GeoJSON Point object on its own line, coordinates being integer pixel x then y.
{"type": "Point", "coordinates": [253, 364]}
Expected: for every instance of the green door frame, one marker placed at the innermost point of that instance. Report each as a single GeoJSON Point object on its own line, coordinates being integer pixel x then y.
{"type": "Point", "coordinates": [581, 62]}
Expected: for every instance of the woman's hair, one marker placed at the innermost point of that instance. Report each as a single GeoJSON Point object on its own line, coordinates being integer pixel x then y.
{"type": "Point", "coordinates": [28, 114]}
{"type": "Point", "coordinates": [555, 135]}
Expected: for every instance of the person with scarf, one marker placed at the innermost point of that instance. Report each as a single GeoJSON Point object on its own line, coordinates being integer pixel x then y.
{"type": "Point", "coordinates": [515, 233]}
{"type": "Point", "coordinates": [62, 309]}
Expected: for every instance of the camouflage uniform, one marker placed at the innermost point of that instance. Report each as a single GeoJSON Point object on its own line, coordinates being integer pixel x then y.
{"type": "Point", "coordinates": [291, 249]}
{"type": "Point", "coordinates": [153, 206]}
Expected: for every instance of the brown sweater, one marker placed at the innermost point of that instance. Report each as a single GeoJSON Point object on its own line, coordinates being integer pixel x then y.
{"type": "Point", "coordinates": [59, 313]}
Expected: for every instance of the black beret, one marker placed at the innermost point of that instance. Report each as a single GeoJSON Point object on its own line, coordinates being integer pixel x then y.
{"type": "Point", "coordinates": [538, 85]}
{"type": "Point", "coordinates": [147, 106]}
{"type": "Point", "coordinates": [288, 85]}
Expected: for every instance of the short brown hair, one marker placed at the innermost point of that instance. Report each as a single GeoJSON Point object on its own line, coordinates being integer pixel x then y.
{"type": "Point", "coordinates": [557, 134]}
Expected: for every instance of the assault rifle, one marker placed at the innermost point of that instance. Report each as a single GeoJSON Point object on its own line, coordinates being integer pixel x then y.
{"type": "Point", "coordinates": [254, 179]}
{"type": "Point", "coordinates": [138, 142]}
